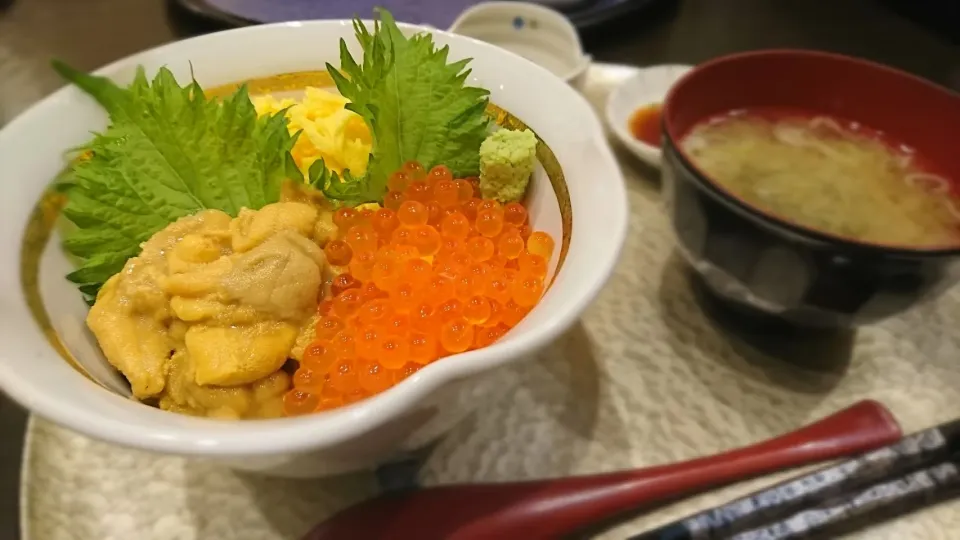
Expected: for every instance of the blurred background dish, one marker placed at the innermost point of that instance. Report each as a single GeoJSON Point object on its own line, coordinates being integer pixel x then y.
{"type": "Point", "coordinates": [436, 13]}
{"type": "Point", "coordinates": [537, 33]}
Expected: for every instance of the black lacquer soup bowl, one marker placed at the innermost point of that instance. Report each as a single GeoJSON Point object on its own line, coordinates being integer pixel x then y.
{"type": "Point", "coordinates": [769, 265]}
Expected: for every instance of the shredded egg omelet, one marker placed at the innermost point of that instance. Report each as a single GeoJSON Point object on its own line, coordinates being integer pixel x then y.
{"type": "Point", "coordinates": [329, 131]}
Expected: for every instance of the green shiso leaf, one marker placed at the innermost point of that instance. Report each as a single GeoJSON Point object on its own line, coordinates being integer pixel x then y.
{"type": "Point", "coordinates": [416, 104]}
{"type": "Point", "coordinates": [169, 152]}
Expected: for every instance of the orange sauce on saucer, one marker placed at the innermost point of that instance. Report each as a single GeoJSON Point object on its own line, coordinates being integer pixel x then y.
{"type": "Point", "coordinates": [645, 124]}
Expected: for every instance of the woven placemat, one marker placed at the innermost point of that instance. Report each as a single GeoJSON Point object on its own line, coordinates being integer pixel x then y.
{"type": "Point", "coordinates": [647, 377]}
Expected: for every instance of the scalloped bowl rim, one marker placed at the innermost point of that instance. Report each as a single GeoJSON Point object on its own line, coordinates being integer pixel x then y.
{"type": "Point", "coordinates": [206, 437]}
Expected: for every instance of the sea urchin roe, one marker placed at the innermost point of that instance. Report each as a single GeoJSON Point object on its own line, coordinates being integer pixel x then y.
{"type": "Point", "coordinates": [419, 288]}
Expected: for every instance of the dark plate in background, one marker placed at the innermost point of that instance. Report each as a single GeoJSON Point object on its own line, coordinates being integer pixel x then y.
{"type": "Point", "coordinates": [942, 16]}
{"type": "Point", "coordinates": [437, 13]}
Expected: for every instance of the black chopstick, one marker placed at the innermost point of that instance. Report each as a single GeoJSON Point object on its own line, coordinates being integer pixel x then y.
{"type": "Point", "coordinates": [918, 450]}
{"type": "Point", "coordinates": [878, 502]}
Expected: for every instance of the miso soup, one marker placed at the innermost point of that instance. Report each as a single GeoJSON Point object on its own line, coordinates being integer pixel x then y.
{"type": "Point", "coordinates": [829, 174]}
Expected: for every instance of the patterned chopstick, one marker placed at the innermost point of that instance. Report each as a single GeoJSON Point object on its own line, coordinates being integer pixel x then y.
{"type": "Point", "coordinates": [912, 452]}
{"type": "Point", "coordinates": [875, 503]}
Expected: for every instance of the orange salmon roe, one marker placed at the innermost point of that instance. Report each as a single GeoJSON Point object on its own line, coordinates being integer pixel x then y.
{"type": "Point", "coordinates": [373, 377]}
{"type": "Point", "coordinates": [317, 357]}
{"type": "Point", "coordinates": [489, 222]}
{"type": "Point", "coordinates": [345, 218]}
{"type": "Point", "coordinates": [325, 307]}
{"type": "Point", "coordinates": [297, 402]}
{"type": "Point", "coordinates": [412, 214]}
{"type": "Point", "coordinates": [470, 208]}
{"type": "Point", "coordinates": [419, 191]}
{"type": "Point", "coordinates": [514, 214]}
{"type": "Point", "coordinates": [540, 244]}
{"type": "Point", "coordinates": [343, 282]}
{"type": "Point", "coordinates": [392, 200]}
{"type": "Point", "coordinates": [385, 222]}
{"type": "Point", "coordinates": [327, 327]}
{"type": "Point", "coordinates": [455, 226]}
{"type": "Point", "coordinates": [446, 194]}
{"type": "Point", "coordinates": [437, 271]}
{"type": "Point", "coordinates": [438, 174]}
{"type": "Point", "coordinates": [464, 190]}
{"type": "Point", "coordinates": [338, 253]}
{"type": "Point", "coordinates": [510, 245]}
{"type": "Point", "coordinates": [361, 265]}
{"type": "Point", "coordinates": [413, 170]}
{"type": "Point", "coordinates": [398, 181]}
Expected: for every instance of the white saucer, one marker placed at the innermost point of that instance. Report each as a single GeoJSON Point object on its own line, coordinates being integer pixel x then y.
{"type": "Point", "coordinates": [647, 86]}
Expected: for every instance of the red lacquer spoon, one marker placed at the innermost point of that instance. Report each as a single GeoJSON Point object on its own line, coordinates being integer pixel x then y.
{"type": "Point", "coordinates": [556, 507]}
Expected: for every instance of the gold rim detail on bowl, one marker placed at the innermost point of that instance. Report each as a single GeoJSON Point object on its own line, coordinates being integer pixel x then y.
{"type": "Point", "coordinates": [35, 238]}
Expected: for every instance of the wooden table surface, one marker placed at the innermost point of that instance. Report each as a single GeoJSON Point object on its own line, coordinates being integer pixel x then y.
{"type": "Point", "coordinates": [90, 33]}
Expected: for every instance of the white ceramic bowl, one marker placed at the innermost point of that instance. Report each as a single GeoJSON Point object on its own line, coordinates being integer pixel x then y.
{"type": "Point", "coordinates": [648, 86]}
{"type": "Point", "coordinates": [406, 416]}
{"type": "Point", "coordinates": [538, 33]}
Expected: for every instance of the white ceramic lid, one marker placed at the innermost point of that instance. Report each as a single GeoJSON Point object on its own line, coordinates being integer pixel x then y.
{"type": "Point", "coordinates": [537, 33]}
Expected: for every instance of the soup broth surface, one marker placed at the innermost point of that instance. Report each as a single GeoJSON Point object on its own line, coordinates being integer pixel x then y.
{"type": "Point", "coordinates": [828, 174]}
